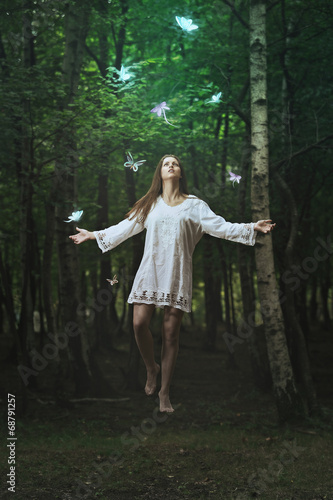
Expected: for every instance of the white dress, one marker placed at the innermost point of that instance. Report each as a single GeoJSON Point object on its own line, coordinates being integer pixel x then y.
{"type": "Point", "coordinates": [164, 277]}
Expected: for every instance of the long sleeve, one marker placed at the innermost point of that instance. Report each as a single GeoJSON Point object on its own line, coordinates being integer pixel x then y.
{"type": "Point", "coordinates": [109, 238]}
{"type": "Point", "coordinates": [217, 226]}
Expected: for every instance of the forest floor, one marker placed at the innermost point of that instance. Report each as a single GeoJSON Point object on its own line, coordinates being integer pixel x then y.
{"type": "Point", "coordinates": [223, 441]}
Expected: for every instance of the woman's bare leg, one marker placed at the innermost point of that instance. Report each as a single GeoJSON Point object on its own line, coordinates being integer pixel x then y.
{"type": "Point", "coordinates": [142, 314]}
{"type": "Point", "coordinates": [170, 347]}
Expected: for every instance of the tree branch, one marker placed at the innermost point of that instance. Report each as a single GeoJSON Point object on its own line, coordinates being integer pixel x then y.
{"type": "Point", "coordinates": [236, 104]}
{"type": "Point", "coordinates": [240, 113]}
{"type": "Point", "coordinates": [279, 164]}
{"type": "Point", "coordinates": [237, 14]}
{"type": "Point", "coordinates": [95, 58]}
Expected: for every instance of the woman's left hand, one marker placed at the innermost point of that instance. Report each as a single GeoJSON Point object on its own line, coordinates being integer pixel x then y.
{"type": "Point", "coordinates": [264, 226]}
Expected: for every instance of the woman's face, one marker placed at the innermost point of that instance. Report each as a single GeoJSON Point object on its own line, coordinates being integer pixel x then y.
{"type": "Point", "coordinates": [170, 169]}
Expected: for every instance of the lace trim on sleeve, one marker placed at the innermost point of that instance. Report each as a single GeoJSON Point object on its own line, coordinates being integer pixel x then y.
{"type": "Point", "coordinates": [101, 240]}
{"type": "Point", "coordinates": [247, 233]}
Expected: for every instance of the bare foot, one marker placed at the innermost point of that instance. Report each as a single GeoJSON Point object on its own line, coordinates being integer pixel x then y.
{"type": "Point", "coordinates": [151, 380]}
{"type": "Point", "coordinates": [165, 405]}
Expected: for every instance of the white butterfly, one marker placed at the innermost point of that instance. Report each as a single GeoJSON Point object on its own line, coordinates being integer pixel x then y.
{"type": "Point", "coordinates": [186, 24]}
{"type": "Point", "coordinates": [113, 281]}
{"type": "Point", "coordinates": [216, 98]}
{"type": "Point", "coordinates": [75, 217]}
{"type": "Point", "coordinates": [124, 74]}
{"type": "Point", "coordinates": [130, 162]}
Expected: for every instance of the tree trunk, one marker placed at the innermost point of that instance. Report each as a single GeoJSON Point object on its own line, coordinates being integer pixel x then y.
{"type": "Point", "coordinates": [325, 285]}
{"type": "Point", "coordinates": [107, 317]}
{"type": "Point", "coordinates": [257, 352]}
{"type": "Point", "coordinates": [210, 294]}
{"type": "Point", "coordinates": [299, 354]}
{"type": "Point", "coordinates": [106, 321]}
{"type": "Point", "coordinates": [132, 372]}
{"type": "Point", "coordinates": [287, 399]}
{"type": "Point", "coordinates": [25, 328]}
{"type": "Point", "coordinates": [299, 351]}
{"type": "Point", "coordinates": [76, 368]}
{"type": "Point", "coordinates": [313, 300]}
{"type": "Point", "coordinates": [227, 319]}
{"type": "Point", "coordinates": [47, 264]}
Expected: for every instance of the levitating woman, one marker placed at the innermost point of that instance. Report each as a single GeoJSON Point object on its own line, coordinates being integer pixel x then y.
{"type": "Point", "coordinates": [175, 221]}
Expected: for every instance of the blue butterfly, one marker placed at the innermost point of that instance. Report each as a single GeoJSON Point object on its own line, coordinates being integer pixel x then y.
{"type": "Point", "coordinates": [186, 24]}
{"type": "Point", "coordinates": [130, 162]}
{"type": "Point", "coordinates": [75, 217]}
{"type": "Point", "coordinates": [124, 74]}
{"type": "Point", "coordinates": [216, 98]}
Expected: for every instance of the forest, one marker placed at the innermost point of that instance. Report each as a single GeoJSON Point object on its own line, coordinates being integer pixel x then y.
{"type": "Point", "coordinates": [241, 91]}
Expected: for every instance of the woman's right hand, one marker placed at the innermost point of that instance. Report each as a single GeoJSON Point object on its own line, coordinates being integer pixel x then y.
{"type": "Point", "coordinates": [83, 235]}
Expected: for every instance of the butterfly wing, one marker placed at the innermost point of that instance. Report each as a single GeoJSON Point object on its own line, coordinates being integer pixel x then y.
{"type": "Point", "coordinates": [234, 178]}
{"type": "Point", "coordinates": [76, 216]}
{"type": "Point", "coordinates": [190, 26]}
{"type": "Point", "coordinates": [179, 21]}
{"type": "Point", "coordinates": [216, 98]}
{"type": "Point", "coordinates": [157, 109]}
{"type": "Point", "coordinates": [129, 161]}
{"type": "Point", "coordinates": [186, 24]}
{"type": "Point", "coordinates": [138, 163]}
{"type": "Point", "coordinates": [124, 74]}
{"type": "Point", "coordinates": [114, 280]}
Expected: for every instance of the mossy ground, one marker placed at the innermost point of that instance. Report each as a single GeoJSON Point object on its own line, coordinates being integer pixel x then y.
{"type": "Point", "coordinates": [222, 442]}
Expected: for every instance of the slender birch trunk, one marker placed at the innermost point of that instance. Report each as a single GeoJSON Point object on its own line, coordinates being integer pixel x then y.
{"type": "Point", "coordinates": [287, 399]}
{"type": "Point", "coordinates": [259, 362]}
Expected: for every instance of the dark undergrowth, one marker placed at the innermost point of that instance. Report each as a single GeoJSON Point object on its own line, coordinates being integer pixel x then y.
{"type": "Point", "coordinates": [222, 442]}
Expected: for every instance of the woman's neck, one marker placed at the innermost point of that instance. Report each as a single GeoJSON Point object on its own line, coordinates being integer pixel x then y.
{"type": "Point", "coordinates": [171, 192]}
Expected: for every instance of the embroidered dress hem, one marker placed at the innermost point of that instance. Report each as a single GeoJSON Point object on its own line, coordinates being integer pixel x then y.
{"type": "Point", "coordinates": [160, 299]}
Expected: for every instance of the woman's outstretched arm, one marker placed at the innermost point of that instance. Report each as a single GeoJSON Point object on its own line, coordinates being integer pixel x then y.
{"type": "Point", "coordinates": [82, 235]}
{"type": "Point", "coordinates": [217, 226]}
{"type": "Point", "coordinates": [109, 238]}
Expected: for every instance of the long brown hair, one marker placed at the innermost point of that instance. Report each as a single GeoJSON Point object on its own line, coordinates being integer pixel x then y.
{"type": "Point", "coordinates": [142, 207]}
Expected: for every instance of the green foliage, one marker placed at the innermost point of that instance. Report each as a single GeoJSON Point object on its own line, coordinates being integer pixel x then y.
{"type": "Point", "coordinates": [109, 117]}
